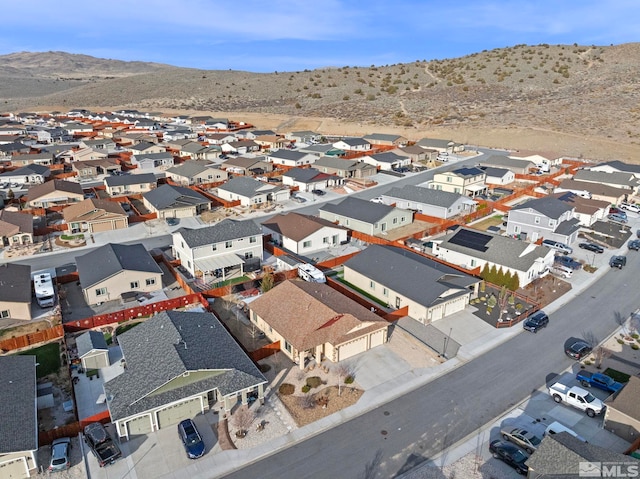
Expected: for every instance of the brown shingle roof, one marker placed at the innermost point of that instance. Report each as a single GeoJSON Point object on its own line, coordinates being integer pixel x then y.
{"type": "Point", "coordinates": [582, 205]}
{"type": "Point", "coordinates": [91, 209]}
{"type": "Point", "coordinates": [626, 401]}
{"type": "Point", "coordinates": [310, 314]}
{"type": "Point", "coordinates": [12, 222]}
{"type": "Point", "coordinates": [296, 225]}
{"type": "Point", "coordinates": [47, 187]}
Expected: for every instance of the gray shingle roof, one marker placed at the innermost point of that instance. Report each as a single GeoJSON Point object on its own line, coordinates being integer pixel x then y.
{"type": "Point", "coordinates": [495, 172]}
{"type": "Point", "coordinates": [165, 155]}
{"type": "Point", "coordinates": [191, 168]}
{"type": "Point", "coordinates": [548, 206]}
{"type": "Point", "coordinates": [507, 162]}
{"type": "Point", "coordinates": [568, 227]}
{"type": "Point", "coordinates": [306, 175]}
{"type": "Point", "coordinates": [169, 196]}
{"type": "Point", "coordinates": [292, 155]}
{"type": "Point", "coordinates": [466, 172]}
{"type": "Point", "coordinates": [621, 166]}
{"type": "Point", "coordinates": [15, 283]}
{"type": "Point", "coordinates": [126, 180]}
{"type": "Point", "coordinates": [337, 163]}
{"type": "Point", "coordinates": [112, 258]}
{"type": "Point", "coordinates": [27, 170]}
{"type": "Point", "coordinates": [355, 141]}
{"type": "Point", "coordinates": [382, 136]}
{"type": "Point", "coordinates": [388, 157]}
{"type": "Point", "coordinates": [89, 341]}
{"type": "Point", "coordinates": [225, 230]}
{"type": "Point", "coordinates": [427, 196]}
{"type": "Point", "coordinates": [169, 345]}
{"type": "Point", "coordinates": [410, 274]}
{"type": "Point", "coordinates": [621, 178]}
{"type": "Point", "coordinates": [435, 143]}
{"type": "Point", "coordinates": [356, 208]}
{"type": "Point", "coordinates": [245, 186]}
{"type": "Point", "coordinates": [18, 396]}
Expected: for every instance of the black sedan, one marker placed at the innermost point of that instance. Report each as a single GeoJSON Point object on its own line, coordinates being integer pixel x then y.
{"type": "Point", "coordinates": [634, 245]}
{"type": "Point", "coordinates": [536, 321]}
{"type": "Point", "coordinates": [577, 349]}
{"type": "Point", "coordinates": [595, 248]}
{"type": "Point", "coordinates": [510, 454]}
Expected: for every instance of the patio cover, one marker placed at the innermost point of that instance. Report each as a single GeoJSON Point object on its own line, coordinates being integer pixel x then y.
{"type": "Point", "coordinates": [476, 187]}
{"type": "Point", "coordinates": [218, 262]}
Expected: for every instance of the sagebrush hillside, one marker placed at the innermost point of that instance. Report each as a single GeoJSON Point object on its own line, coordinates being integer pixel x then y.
{"type": "Point", "coordinates": [583, 90]}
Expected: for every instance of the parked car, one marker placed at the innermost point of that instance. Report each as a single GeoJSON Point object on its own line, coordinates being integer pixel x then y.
{"type": "Point", "coordinates": [191, 439]}
{"type": "Point", "coordinates": [536, 322]}
{"type": "Point", "coordinates": [318, 192]}
{"type": "Point", "coordinates": [576, 397]}
{"type": "Point", "coordinates": [60, 449]}
{"type": "Point", "coordinates": [521, 438]}
{"type": "Point", "coordinates": [617, 218]}
{"type": "Point", "coordinates": [298, 199]}
{"type": "Point", "coordinates": [555, 428]}
{"type": "Point", "coordinates": [563, 248]}
{"type": "Point", "coordinates": [377, 199]}
{"type": "Point", "coordinates": [562, 271]}
{"type": "Point", "coordinates": [614, 210]}
{"type": "Point", "coordinates": [401, 169]}
{"type": "Point", "coordinates": [568, 261]}
{"type": "Point", "coordinates": [101, 444]}
{"type": "Point", "coordinates": [578, 349]}
{"type": "Point", "coordinates": [595, 248]}
{"type": "Point", "coordinates": [634, 245]}
{"type": "Point", "coordinates": [598, 380]}
{"type": "Point", "coordinates": [172, 221]}
{"type": "Point", "coordinates": [630, 207]}
{"type": "Point", "coordinates": [618, 262]}
{"type": "Point", "coordinates": [510, 454]}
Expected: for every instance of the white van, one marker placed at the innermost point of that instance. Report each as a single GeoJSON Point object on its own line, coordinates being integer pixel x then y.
{"type": "Point", "coordinates": [562, 271]}
{"type": "Point", "coordinates": [555, 427]}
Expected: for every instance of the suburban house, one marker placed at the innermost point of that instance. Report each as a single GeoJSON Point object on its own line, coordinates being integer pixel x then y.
{"type": "Point", "coordinates": [219, 138]}
{"type": "Point", "coordinates": [387, 160]}
{"type": "Point", "coordinates": [195, 172]}
{"type": "Point", "coordinates": [617, 166]}
{"type": "Point", "coordinates": [304, 136]}
{"type": "Point", "coordinates": [92, 168]}
{"type": "Point", "coordinates": [365, 216]}
{"type": "Point", "coordinates": [308, 179]}
{"type": "Point", "coordinates": [219, 250]}
{"type": "Point", "coordinates": [521, 167]}
{"type": "Point", "coordinates": [441, 146]}
{"type": "Point", "coordinates": [247, 166]}
{"type": "Point", "coordinates": [291, 158]}
{"type": "Point", "coordinates": [45, 159]}
{"type": "Point", "coordinates": [464, 181]}
{"type": "Point", "coordinates": [9, 150]}
{"type": "Point", "coordinates": [15, 228]}
{"type": "Point", "coordinates": [322, 149]}
{"type": "Point", "coordinates": [564, 456]}
{"type": "Point", "coordinates": [473, 249]}
{"type": "Point", "coordinates": [53, 193]}
{"type": "Point", "coordinates": [622, 415]}
{"type": "Point", "coordinates": [113, 270]}
{"type": "Point", "coordinates": [417, 153]}
{"type": "Point", "coordinates": [93, 351]}
{"type": "Point", "coordinates": [150, 161]}
{"type": "Point", "coordinates": [196, 151]}
{"type": "Point", "coordinates": [179, 365]}
{"type": "Point", "coordinates": [170, 201]}
{"type": "Point", "coordinates": [251, 192]}
{"type": "Point", "coordinates": [19, 417]}
{"type": "Point", "coordinates": [74, 128]}
{"type": "Point", "coordinates": [120, 185]}
{"type": "Point", "coordinates": [146, 148]}
{"type": "Point", "coordinates": [430, 290]}
{"type": "Point", "coordinates": [303, 234]}
{"type": "Point", "coordinates": [344, 168]}
{"type": "Point", "coordinates": [313, 321]}
{"type": "Point", "coordinates": [240, 147]}
{"type": "Point", "coordinates": [88, 154]}
{"type": "Point", "coordinates": [94, 215]}
{"type": "Point", "coordinates": [271, 142]}
{"type": "Point", "coordinates": [104, 144]}
{"type": "Point", "coordinates": [438, 203]}
{"type": "Point", "coordinates": [385, 139]}
{"type": "Point", "coordinates": [618, 179]}
{"type": "Point", "coordinates": [498, 176]}
{"type": "Point", "coordinates": [587, 211]}
{"type": "Point", "coordinates": [15, 291]}
{"type": "Point", "coordinates": [596, 191]}
{"type": "Point", "coordinates": [26, 175]}
{"type": "Point", "coordinates": [546, 218]}
{"type": "Point", "coordinates": [352, 144]}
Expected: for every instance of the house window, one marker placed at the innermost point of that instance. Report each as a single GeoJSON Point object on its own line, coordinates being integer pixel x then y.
{"type": "Point", "coordinates": [101, 291]}
{"type": "Point", "coordinates": [325, 240]}
{"type": "Point", "coordinates": [150, 281]}
{"type": "Point", "coordinates": [536, 220]}
{"type": "Point", "coordinates": [516, 229]}
{"type": "Point", "coordinates": [456, 190]}
{"type": "Point", "coordinates": [449, 179]}
{"type": "Point", "coordinates": [287, 346]}
{"type": "Point", "coordinates": [253, 239]}
{"type": "Point", "coordinates": [395, 221]}
{"type": "Point", "coordinates": [5, 314]}
{"type": "Point", "coordinates": [473, 263]}
{"type": "Point", "coordinates": [306, 244]}
{"type": "Point", "coordinates": [214, 247]}
{"type": "Point", "coordinates": [372, 285]}
{"type": "Point", "coordinates": [134, 284]}
{"type": "Point", "coordinates": [385, 292]}
{"type": "Point", "coordinates": [182, 244]}
{"type": "Point", "coordinates": [552, 223]}
{"type": "Point", "coordinates": [228, 244]}
{"type": "Point", "coordinates": [347, 222]}
{"type": "Point", "coordinates": [248, 255]}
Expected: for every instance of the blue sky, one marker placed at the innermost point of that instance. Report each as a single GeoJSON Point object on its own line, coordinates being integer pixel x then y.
{"type": "Point", "coordinates": [291, 35]}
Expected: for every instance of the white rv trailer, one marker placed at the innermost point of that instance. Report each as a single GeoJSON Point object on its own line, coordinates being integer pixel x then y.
{"type": "Point", "coordinates": [43, 286]}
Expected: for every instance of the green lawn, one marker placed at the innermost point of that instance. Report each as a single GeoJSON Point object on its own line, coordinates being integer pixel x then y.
{"type": "Point", "coordinates": [47, 357]}
{"type": "Point", "coordinates": [126, 327]}
{"type": "Point", "coordinates": [617, 375]}
{"type": "Point", "coordinates": [363, 293]}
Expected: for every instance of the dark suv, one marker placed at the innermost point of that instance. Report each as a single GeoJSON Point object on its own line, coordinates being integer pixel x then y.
{"type": "Point", "coordinates": [618, 262]}
{"type": "Point", "coordinates": [536, 321]}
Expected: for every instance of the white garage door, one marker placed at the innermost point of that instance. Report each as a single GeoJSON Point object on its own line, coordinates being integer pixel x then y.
{"type": "Point", "coordinates": [176, 413]}
{"type": "Point", "coordinates": [352, 348]}
{"type": "Point", "coordinates": [454, 306]}
{"type": "Point", "coordinates": [13, 469]}
{"type": "Point", "coordinates": [139, 425]}
{"type": "Point", "coordinates": [377, 338]}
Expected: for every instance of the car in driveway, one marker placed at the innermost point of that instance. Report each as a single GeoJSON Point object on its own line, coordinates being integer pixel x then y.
{"type": "Point", "coordinates": [536, 322]}
{"type": "Point", "coordinates": [377, 199]}
{"type": "Point", "coordinates": [298, 199]}
{"type": "Point", "coordinates": [577, 349]}
{"type": "Point", "coordinates": [510, 454]}
{"type": "Point", "coordinates": [60, 449]}
{"type": "Point", "coordinates": [567, 261]}
{"type": "Point", "coordinates": [614, 210]}
{"type": "Point", "coordinates": [618, 262]}
{"type": "Point", "coordinates": [172, 221]}
{"type": "Point", "coordinates": [598, 380]}
{"type": "Point", "coordinates": [617, 218]}
{"type": "Point", "coordinates": [318, 192]}
{"type": "Point", "coordinates": [634, 245]}
{"type": "Point", "coordinates": [191, 439]}
{"type": "Point", "coordinates": [522, 438]}
{"type": "Point", "coordinates": [595, 248]}
{"type": "Point", "coordinates": [558, 246]}
{"type": "Point", "coordinates": [630, 207]}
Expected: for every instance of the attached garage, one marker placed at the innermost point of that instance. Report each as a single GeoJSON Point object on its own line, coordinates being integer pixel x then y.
{"type": "Point", "coordinates": [455, 305]}
{"type": "Point", "coordinates": [352, 348]}
{"type": "Point", "coordinates": [139, 425]}
{"type": "Point", "coordinates": [177, 412]}
{"type": "Point", "coordinates": [377, 338]}
{"type": "Point", "coordinates": [14, 468]}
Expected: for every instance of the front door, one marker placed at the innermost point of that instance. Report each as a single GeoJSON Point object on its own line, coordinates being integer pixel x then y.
{"type": "Point", "coordinates": [397, 302]}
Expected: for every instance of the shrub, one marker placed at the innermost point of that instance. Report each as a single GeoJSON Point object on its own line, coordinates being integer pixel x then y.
{"type": "Point", "coordinates": [306, 388]}
{"type": "Point", "coordinates": [307, 401]}
{"type": "Point", "coordinates": [587, 362]}
{"type": "Point", "coordinates": [519, 307]}
{"type": "Point", "coordinates": [349, 380]}
{"type": "Point", "coordinates": [635, 347]}
{"type": "Point", "coordinates": [286, 389]}
{"type": "Point", "coordinates": [314, 381]}
{"type": "Point", "coordinates": [635, 335]}
{"type": "Point", "coordinates": [620, 341]}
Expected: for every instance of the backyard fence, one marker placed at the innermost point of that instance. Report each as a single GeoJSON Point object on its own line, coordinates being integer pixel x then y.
{"type": "Point", "coordinates": [31, 339]}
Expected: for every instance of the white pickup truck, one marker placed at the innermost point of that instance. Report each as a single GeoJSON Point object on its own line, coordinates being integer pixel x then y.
{"type": "Point", "coordinates": [576, 397]}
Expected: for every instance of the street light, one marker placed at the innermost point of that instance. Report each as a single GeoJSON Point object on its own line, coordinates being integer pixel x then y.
{"type": "Point", "coordinates": [446, 343]}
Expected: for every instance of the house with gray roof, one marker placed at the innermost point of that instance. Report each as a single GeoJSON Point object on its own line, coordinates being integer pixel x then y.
{"type": "Point", "coordinates": [16, 228]}
{"type": "Point", "coordinates": [304, 234]}
{"type": "Point", "coordinates": [438, 203]}
{"type": "Point", "coordinates": [617, 166]}
{"type": "Point", "coordinates": [161, 160]}
{"type": "Point", "coordinates": [352, 144]}
{"type": "Point", "coordinates": [308, 179]}
{"type": "Point", "coordinates": [54, 192]}
{"type": "Point", "coordinates": [323, 149]}
{"type": "Point", "coordinates": [251, 192]}
{"type": "Point", "coordinates": [178, 365]}
{"type": "Point", "coordinates": [291, 158]}
{"type": "Point", "coordinates": [333, 165]}
{"type": "Point", "coordinates": [240, 147]}
{"type": "Point", "coordinates": [544, 218]}
{"type": "Point", "coordinates": [45, 159]}
{"type": "Point", "coordinates": [303, 136]}
{"type": "Point", "coordinates": [244, 165]}
{"type": "Point", "coordinates": [518, 166]}
{"type": "Point", "coordinates": [196, 151]}
{"type": "Point", "coordinates": [19, 417]}
{"type": "Point", "coordinates": [366, 217]}
{"type": "Point", "coordinates": [622, 415]}
{"type": "Point", "coordinates": [93, 351]}
{"type": "Point", "coordinates": [403, 279]}
{"type": "Point", "coordinates": [596, 191]}
{"type": "Point", "coordinates": [114, 270]}
{"type": "Point", "coordinates": [465, 181]}
{"type": "Point", "coordinates": [387, 160]}
{"type": "Point", "coordinates": [15, 291]}
{"type": "Point", "coordinates": [586, 210]}
{"type": "Point", "coordinates": [170, 201]}
{"type": "Point", "coordinates": [441, 146]}
{"type": "Point", "coordinates": [219, 250]}
{"type": "Point", "coordinates": [386, 139]}
{"type": "Point", "coordinates": [118, 185]}
{"type": "Point", "coordinates": [195, 172]}
{"type": "Point", "coordinates": [418, 153]}
{"type": "Point", "coordinates": [473, 249]}
{"type": "Point", "coordinates": [498, 176]}
{"type": "Point", "coordinates": [616, 179]}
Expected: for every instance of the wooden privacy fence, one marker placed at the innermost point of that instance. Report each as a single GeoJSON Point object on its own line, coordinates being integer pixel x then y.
{"type": "Point", "coordinates": [265, 351]}
{"type": "Point", "coordinates": [71, 430]}
{"type": "Point", "coordinates": [30, 339]}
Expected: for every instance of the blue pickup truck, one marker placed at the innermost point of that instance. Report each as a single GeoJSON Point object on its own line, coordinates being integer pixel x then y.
{"type": "Point", "coordinates": [598, 380]}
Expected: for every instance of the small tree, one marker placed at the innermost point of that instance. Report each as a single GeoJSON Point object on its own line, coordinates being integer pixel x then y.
{"type": "Point", "coordinates": [242, 420]}
{"type": "Point", "coordinates": [493, 274]}
{"type": "Point", "coordinates": [343, 371]}
{"type": "Point", "coordinates": [484, 274]}
{"type": "Point", "coordinates": [514, 284]}
{"type": "Point", "coordinates": [267, 282]}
